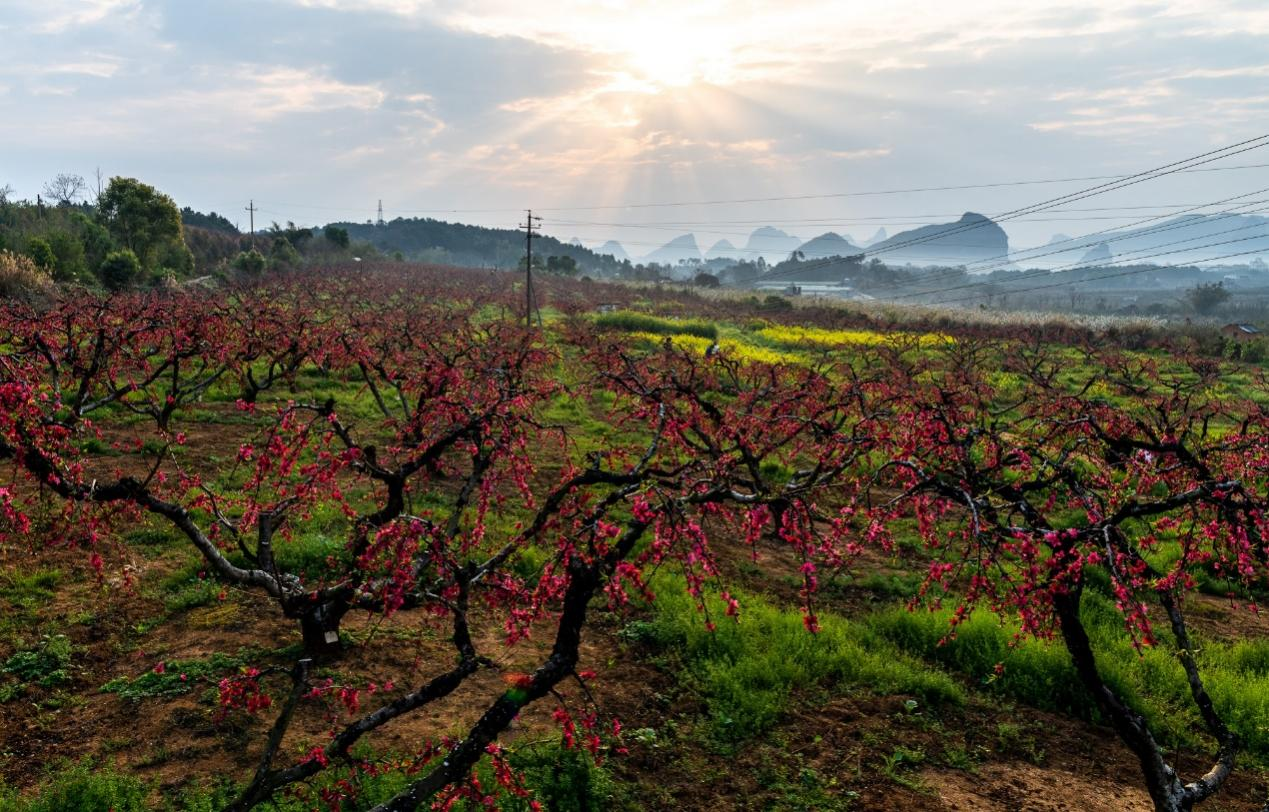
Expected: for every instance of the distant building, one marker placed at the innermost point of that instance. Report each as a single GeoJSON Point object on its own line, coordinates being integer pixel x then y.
{"type": "Point", "coordinates": [1241, 332]}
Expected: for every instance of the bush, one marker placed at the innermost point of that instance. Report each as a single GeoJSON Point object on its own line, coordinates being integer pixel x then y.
{"type": "Point", "coordinates": [119, 270]}
{"type": "Point", "coordinates": [20, 278]}
{"type": "Point", "coordinates": [250, 262]}
{"type": "Point", "coordinates": [41, 253]}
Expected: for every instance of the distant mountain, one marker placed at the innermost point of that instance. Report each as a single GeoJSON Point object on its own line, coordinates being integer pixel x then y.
{"type": "Point", "coordinates": [770, 243]}
{"type": "Point", "coordinates": [876, 238]}
{"type": "Point", "coordinates": [613, 249]}
{"type": "Point", "coordinates": [723, 249]}
{"type": "Point", "coordinates": [973, 238]}
{"type": "Point", "coordinates": [1058, 238]}
{"type": "Point", "coordinates": [828, 245]}
{"type": "Point", "coordinates": [576, 243]}
{"type": "Point", "coordinates": [677, 249]}
{"type": "Point", "coordinates": [1097, 255]}
{"type": "Point", "coordinates": [1186, 239]}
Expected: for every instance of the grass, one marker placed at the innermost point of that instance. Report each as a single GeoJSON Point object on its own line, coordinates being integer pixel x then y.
{"type": "Point", "coordinates": [631, 322]}
{"type": "Point", "coordinates": [749, 670]}
{"type": "Point", "coordinates": [80, 787]}
{"type": "Point", "coordinates": [178, 677]}
{"type": "Point", "coordinates": [48, 665]}
{"type": "Point", "coordinates": [1039, 673]}
{"type": "Point", "coordinates": [30, 590]}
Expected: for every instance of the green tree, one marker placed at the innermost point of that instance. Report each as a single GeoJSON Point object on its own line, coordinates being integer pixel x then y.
{"type": "Point", "coordinates": [69, 251]}
{"type": "Point", "coordinates": [1206, 297]}
{"type": "Point", "coordinates": [41, 253]}
{"type": "Point", "coordinates": [336, 236]}
{"type": "Point", "coordinates": [564, 266]}
{"type": "Point", "coordinates": [139, 218]}
{"type": "Point", "coordinates": [119, 270]}
{"type": "Point", "coordinates": [283, 254]}
{"type": "Point", "coordinates": [250, 262]}
{"type": "Point", "coordinates": [95, 239]}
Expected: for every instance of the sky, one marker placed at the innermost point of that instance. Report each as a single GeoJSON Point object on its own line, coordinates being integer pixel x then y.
{"type": "Point", "coordinates": [473, 110]}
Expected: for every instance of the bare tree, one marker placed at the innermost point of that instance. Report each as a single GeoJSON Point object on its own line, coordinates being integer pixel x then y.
{"type": "Point", "coordinates": [5, 192]}
{"type": "Point", "coordinates": [66, 188]}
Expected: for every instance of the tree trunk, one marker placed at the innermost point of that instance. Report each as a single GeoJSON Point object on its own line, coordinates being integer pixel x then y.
{"type": "Point", "coordinates": [319, 625]}
{"type": "Point", "coordinates": [1166, 790]}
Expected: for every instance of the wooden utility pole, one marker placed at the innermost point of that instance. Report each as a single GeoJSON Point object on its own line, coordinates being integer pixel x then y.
{"type": "Point", "coordinates": [252, 208]}
{"type": "Point", "coordinates": [530, 301]}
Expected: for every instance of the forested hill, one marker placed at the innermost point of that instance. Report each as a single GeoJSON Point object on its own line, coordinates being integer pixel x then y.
{"type": "Point", "coordinates": [459, 244]}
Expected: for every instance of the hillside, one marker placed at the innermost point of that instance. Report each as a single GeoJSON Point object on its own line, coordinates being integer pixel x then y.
{"type": "Point", "coordinates": [429, 240]}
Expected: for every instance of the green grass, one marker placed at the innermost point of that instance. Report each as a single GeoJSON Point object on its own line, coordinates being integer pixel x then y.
{"type": "Point", "coordinates": [179, 677]}
{"type": "Point", "coordinates": [48, 665]}
{"type": "Point", "coordinates": [1039, 673]}
{"type": "Point", "coordinates": [631, 322]}
{"type": "Point", "coordinates": [29, 591]}
{"type": "Point", "coordinates": [81, 787]}
{"type": "Point", "coordinates": [749, 671]}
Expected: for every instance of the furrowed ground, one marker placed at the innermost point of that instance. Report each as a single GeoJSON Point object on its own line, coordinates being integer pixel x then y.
{"type": "Point", "coordinates": [810, 662]}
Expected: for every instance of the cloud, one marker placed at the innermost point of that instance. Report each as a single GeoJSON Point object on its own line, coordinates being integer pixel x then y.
{"type": "Point", "coordinates": [57, 16]}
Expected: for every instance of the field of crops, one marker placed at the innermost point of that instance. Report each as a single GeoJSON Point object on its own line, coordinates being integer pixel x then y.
{"type": "Point", "coordinates": [362, 539]}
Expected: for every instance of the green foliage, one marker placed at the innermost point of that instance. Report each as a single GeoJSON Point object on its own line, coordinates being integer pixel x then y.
{"type": "Point", "coordinates": [564, 780]}
{"type": "Point", "coordinates": [68, 251]}
{"type": "Point", "coordinates": [629, 321]}
{"type": "Point", "coordinates": [140, 218]}
{"type": "Point", "coordinates": [563, 266]}
{"type": "Point", "coordinates": [28, 591]}
{"type": "Point", "coordinates": [94, 238]}
{"type": "Point", "coordinates": [178, 677]}
{"type": "Point", "coordinates": [120, 270]}
{"type": "Point", "coordinates": [748, 670]}
{"type": "Point", "coordinates": [211, 221]}
{"type": "Point", "coordinates": [1206, 297]}
{"type": "Point", "coordinates": [250, 262]}
{"type": "Point", "coordinates": [1039, 673]}
{"type": "Point", "coordinates": [41, 253]}
{"type": "Point", "coordinates": [47, 665]}
{"type": "Point", "coordinates": [81, 787]}
{"type": "Point", "coordinates": [282, 254]}
{"type": "Point", "coordinates": [336, 236]}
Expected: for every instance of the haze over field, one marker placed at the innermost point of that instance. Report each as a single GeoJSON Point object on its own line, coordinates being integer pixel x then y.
{"type": "Point", "coordinates": [317, 109]}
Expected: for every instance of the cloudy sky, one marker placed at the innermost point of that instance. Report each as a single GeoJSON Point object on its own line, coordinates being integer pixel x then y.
{"type": "Point", "coordinates": [473, 109]}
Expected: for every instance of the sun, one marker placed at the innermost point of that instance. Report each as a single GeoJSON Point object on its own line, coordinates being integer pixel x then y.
{"type": "Point", "coordinates": [670, 54]}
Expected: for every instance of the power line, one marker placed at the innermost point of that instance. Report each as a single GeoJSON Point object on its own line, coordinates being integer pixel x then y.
{"type": "Point", "coordinates": [775, 199]}
{"type": "Point", "coordinates": [1085, 267]}
{"type": "Point", "coordinates": [1131, 180]}
{"type": "Point", "coordinates": [1130, 272]}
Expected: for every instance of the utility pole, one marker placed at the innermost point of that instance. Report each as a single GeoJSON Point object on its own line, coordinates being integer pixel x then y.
{"type": "Point", "coordinates": [530, 303]}
{"type": "Point", "coordinates": [252, 208]}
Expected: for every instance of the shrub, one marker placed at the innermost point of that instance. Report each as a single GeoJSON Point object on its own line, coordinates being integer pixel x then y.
{"type": "Point", "coordinates": [20, 278]}
{"type": "Point", "coordinates": [250, 262]}
{"type": "Point", "coordinates": [41, 253]}
{"type": "Point", "coordinates": [119, 270]}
